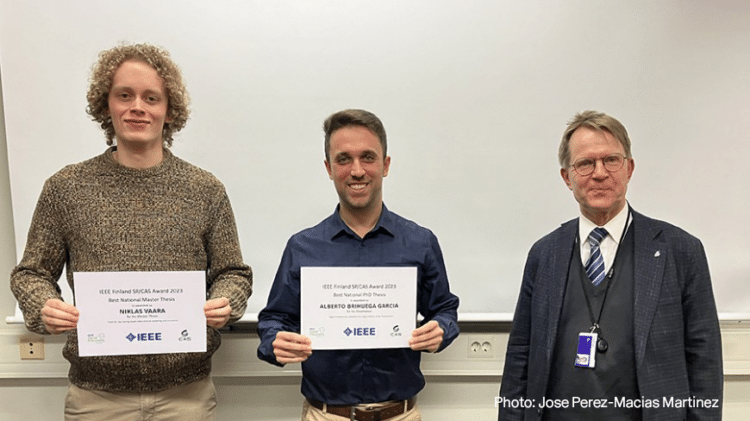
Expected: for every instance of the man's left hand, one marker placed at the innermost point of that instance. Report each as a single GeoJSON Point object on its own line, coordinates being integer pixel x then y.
{"type": "Point", "coordinates": [217, 312]}
{"type": "Point", "coordinates": [426, 338]}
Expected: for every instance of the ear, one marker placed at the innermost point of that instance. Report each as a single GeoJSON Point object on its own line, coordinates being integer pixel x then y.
{"type": "Point", "coordinates": [386, 165]}
{"type": "Point", "coordinates": [631, 167]}
{"type": "Point", "coordinates": [328, 168]}
{"type": "Point", "coordinates": [566, 177]}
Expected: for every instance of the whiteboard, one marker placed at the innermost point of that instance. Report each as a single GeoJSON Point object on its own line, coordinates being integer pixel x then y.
{"type": "Point", "coordinates": [474, 96]}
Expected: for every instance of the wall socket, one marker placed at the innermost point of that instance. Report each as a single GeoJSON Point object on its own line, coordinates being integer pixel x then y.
{"type": "Point", "coordinates": [481, 346]}
{"type": "Point", "coordinates": [31, 348]}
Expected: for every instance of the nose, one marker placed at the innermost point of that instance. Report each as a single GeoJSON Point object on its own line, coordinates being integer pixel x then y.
{"type": "Point", "coordinates": [357, 169]}
{"type": "Point", "coordinates": [137, 106]}
{"type": "Point", "coordinates": [599, 170]}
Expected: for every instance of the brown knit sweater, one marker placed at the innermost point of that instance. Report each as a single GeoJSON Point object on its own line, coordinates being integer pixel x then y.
{"type": "Point", "coordinates": [101, 216]}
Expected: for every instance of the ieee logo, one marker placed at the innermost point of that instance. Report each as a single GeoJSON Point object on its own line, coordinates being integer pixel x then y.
{"type": "Point", "coordinates": [144, 337]}
{"type": "Point", "coordinates": [360, 331]}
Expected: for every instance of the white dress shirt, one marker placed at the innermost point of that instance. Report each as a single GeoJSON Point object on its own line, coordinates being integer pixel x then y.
{"type": "Point", "coordinates": [608, 246]}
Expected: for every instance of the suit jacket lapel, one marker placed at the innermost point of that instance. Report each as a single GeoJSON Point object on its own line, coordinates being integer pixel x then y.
{"type": "Point", "coordinates": [650, 258]}
{"type": "Point", "coordinates": [557, 279]}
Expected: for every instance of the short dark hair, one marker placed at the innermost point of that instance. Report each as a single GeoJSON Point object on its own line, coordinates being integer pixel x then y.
{"type": "Point", "coordinates": [597, 121]}
{"type": "Point", "coordinates": [102, 75]}
{"type": "Point", "coordinates": [354, 117]}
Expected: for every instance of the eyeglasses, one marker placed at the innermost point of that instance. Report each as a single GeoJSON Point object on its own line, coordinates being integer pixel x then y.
{"type": "Point", "coordinates": [586, 166]}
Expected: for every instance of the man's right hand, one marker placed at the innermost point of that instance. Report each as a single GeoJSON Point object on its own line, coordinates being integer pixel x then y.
{"type": "Point", "coordinates": [289, 347]}
{"type": "Point", "coordinates": [58, 316]}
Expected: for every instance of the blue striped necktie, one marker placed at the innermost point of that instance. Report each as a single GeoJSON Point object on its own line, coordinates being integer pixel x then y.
{"type": "Point", "coordinates": [595, 265]}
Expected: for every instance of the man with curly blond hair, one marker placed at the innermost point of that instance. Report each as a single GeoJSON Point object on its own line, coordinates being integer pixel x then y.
{"type": "Point", "coordinates": [102, 79]}
{"type": "Point", "coordinates": [136, 207]}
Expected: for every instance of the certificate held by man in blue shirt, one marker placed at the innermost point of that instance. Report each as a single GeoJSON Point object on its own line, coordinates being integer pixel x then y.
{"type": "Point", "coordinates": [358, 307]}
{"type": "Point", "coordinates": [361, 233]}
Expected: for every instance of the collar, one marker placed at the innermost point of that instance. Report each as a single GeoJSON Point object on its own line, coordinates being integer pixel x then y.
{"type": "Point", "coordinates": [614, 227]}
{"type": "Point", "coordinates": [336, 227]}
{"type": "Point", "coordinates": [109, 165]}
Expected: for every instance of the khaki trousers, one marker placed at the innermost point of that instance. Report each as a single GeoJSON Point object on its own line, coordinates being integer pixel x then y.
{"type": "Point", "coordinates": [194, 401]}
{"type": "Point", "coordinates": [311, 413]}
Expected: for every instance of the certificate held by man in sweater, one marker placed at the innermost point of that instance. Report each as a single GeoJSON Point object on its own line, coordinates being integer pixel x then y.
{"type": "Point", "coordinates": [128, 313]}
{"type": "Point", "coordinates": [358, 307]}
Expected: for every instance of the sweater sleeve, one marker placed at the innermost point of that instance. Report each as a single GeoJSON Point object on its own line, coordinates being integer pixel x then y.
{"type": "Point", "coordinates": [227, 275]}
{"type": "Point", "coordinates": [34, 280]}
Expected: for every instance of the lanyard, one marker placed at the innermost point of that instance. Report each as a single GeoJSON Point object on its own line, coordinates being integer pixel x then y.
{"type": "Point", "coordinates": [601, 344]}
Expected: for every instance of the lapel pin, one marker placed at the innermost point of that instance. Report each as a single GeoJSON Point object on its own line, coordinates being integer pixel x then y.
{"type": "Point", "coordinates": [657, 254]}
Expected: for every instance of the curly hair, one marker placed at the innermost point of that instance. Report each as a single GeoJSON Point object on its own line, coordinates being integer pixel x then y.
{"type": "Point", "coordinates": [102, 75]}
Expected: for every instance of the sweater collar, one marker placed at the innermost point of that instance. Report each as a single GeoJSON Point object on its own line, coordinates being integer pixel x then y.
{"type": "Point", "coordinates": [109, 164]}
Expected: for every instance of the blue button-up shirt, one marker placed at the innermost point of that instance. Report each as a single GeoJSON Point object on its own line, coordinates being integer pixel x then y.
{"type": "Point", "coordinates": [347, 377]}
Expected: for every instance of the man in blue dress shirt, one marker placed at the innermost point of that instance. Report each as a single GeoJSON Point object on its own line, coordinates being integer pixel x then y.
{"type": "Point", "coordinates": [359, 383]}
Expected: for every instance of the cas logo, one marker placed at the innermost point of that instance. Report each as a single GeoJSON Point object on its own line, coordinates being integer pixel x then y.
{"type": "Point", "coordinates": [360, 331]}
{"type": "Point", "coordinates": [184, 336]}
{"type": "Point", "coordinates": [144, 337]}
{"type": "Point", "coordinates": [396, 331]}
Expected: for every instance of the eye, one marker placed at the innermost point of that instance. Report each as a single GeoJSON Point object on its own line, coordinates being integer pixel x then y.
{"type": "Point", "coordinates": [583, 163]}
{"type": "Point", "coordinates": [342, 159]}
{"type": "Point", "coordinates": [612, 159]}
{"type": "Point", "coordinates": [368, 158]}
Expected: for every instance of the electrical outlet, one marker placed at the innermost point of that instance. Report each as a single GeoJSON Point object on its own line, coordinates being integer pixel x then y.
{"type": "Point", "coordinates": [31, 348]}
{"type": "Point", "coordinates": [481, 346]}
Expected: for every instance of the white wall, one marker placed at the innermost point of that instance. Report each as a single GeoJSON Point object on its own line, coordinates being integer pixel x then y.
{"type": "Point", "coordinates": [458, 387]}
{"type": "Point", "coordinates": [474, 95]}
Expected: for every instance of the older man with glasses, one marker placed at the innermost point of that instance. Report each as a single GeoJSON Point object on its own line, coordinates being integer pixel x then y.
{"type": "Point", "coordinates": [616, 317]}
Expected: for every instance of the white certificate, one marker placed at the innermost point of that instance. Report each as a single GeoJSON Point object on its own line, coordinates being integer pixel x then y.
{"type": "Point", "coordinates": [358, 307]}
{"type": "Point", "coordinates": [127, 313]}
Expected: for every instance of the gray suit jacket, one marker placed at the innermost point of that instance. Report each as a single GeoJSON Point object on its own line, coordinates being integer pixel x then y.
{"type": "Point", "coordinates": [676, 327]}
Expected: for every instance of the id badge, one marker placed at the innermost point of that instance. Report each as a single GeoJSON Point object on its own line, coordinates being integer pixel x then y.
{"type": "Point", "coordinates": [586, 355]}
